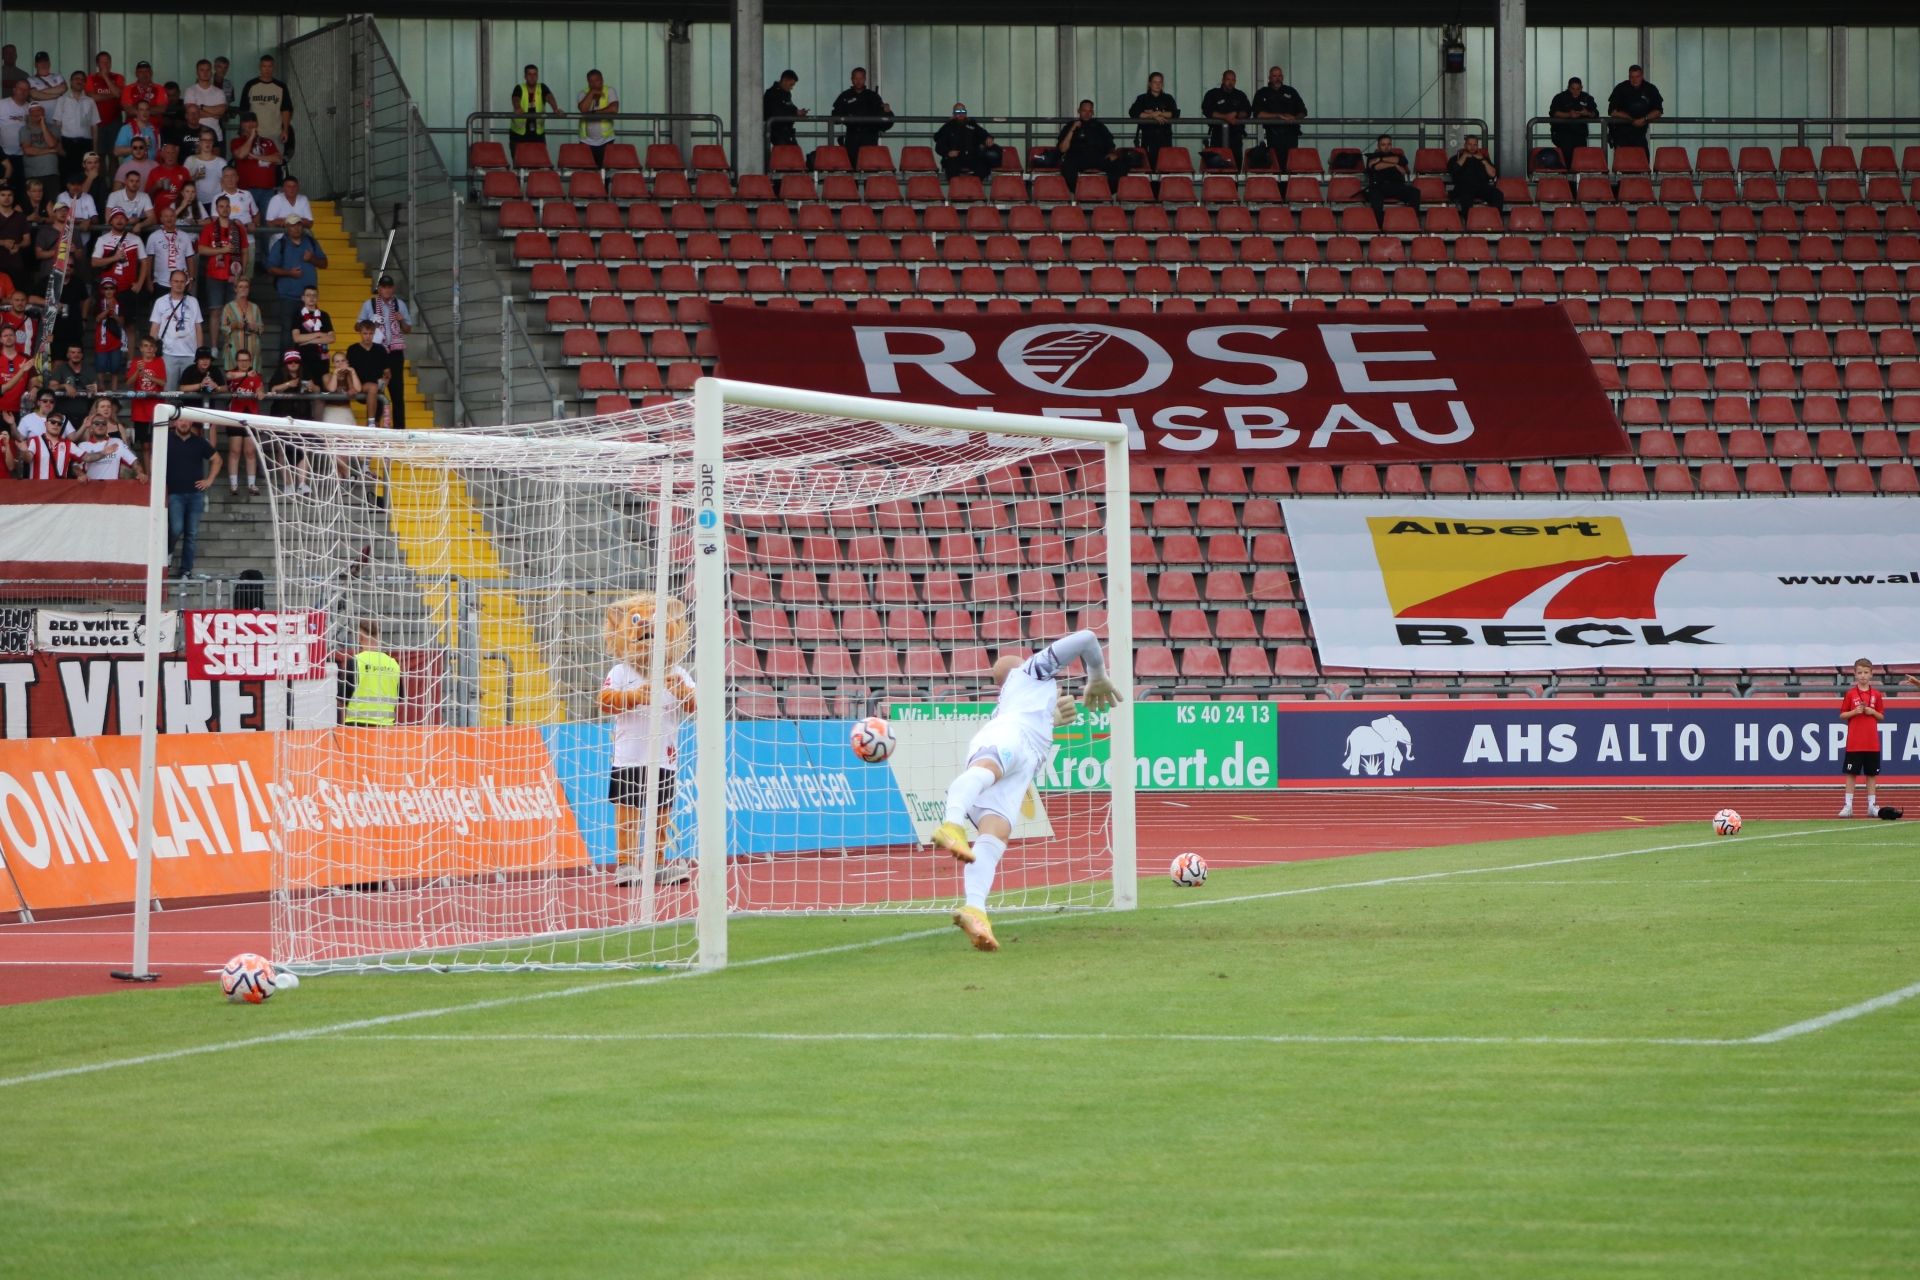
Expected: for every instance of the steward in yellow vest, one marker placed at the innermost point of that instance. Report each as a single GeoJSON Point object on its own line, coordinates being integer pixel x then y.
{"type": "Point", "coordinates": [373, 689]}
{"type": "Point", "coordinates": [532, 99]}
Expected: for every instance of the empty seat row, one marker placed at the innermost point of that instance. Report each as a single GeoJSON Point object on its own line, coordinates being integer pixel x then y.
{"type": "Point", "coordinates": [1715, 345]}
{"type": "Point", "coordinates": [1771, 377]}
{"type": "Point", "coordinates": [1620, 478]}
{"type": "Point", "coordinates": [1865, 410]}
{"type": "Point", "coordinates": [1704, 444]}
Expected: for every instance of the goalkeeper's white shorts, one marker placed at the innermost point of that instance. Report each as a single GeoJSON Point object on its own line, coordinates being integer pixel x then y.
{"type": "Point", "coordinates": [1019, 762]}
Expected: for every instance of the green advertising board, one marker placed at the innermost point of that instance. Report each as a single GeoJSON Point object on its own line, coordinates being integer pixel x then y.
{"type": "Point", "coordinates": [1178, 746]}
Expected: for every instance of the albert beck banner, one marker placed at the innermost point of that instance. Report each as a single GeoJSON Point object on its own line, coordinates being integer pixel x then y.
{"type": "Point", "coordinates": [1540, 586]}
{"type": "Point", "coordinates": [1292, 387]}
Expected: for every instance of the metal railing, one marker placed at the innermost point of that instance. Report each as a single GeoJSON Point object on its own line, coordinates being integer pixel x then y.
{"type": "Point", "coordinates": [1735, 132]}
{"type": "Point", "coordinates": [1029, 132]}
{"type": "Point", "coordinates": [374, 147]}
{"type": "Point", "coordinates": [638, 128]}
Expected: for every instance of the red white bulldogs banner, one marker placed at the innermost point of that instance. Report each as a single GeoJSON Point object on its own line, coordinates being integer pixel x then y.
{"type": "Point", "coordinates": [1535, 586]}
{"type": "Point", "coordinates": [1288, 387]}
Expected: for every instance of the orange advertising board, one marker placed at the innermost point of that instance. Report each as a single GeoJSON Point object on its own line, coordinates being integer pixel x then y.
{"type": "Point", "coordinates": [357, 804]}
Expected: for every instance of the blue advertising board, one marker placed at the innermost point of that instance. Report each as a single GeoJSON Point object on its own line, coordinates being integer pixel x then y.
{"type": "Point", "coordinates": [1572, 741]}
{"type": "Point", "coordinates": [791, 785]}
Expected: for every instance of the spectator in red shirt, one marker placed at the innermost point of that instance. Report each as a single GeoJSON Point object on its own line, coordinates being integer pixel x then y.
{"type": "Point", "coordinates": [166, 180]}
{"type": "Point", "coordinates": [104, 87]}
{"type": "Point", "coordinates": [246, 385]}
{"type": "Point", "coordinates": [16, 369]}
{"type": "Point", "coordinates": [256, 158]}
{"type": "Point", "coordinates": [117, 255]}
{"type": "Point", "coordinates": [1863, 709]}
{"type": "Point", "coordinates": [148, 377]}
{"type": "Point", "coordinates": [109, 336]}
{"type": "Point", "coordinates": [143, 89]}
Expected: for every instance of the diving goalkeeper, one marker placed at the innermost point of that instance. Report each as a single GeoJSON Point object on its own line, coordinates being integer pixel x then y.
{"type": "Point", "coordinates": [1003, 758]}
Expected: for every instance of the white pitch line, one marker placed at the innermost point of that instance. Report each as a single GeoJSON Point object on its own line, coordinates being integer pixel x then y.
{"type": "Point", "coordinates": [1826, 1020]}
{"type": "Point", "coordinates": [1719, 842]}
{"type": "Point", "coordinates": [389, 1019]}
{"type": "Point", "coordinates": [358, 1024]}
{"type": "Point", "coordinates": [802, 1037]}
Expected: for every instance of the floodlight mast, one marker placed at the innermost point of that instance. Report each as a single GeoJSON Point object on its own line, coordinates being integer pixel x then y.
{"type": "Point", "coordinates": [709, 579]}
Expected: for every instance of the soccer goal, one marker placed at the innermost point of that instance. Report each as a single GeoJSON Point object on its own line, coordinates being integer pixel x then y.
{"type": "Point", "coordinates": [585, 688]}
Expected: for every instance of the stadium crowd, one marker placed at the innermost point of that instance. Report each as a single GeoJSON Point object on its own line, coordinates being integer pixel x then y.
{"type": "Point", "coordinates": [181, 214]}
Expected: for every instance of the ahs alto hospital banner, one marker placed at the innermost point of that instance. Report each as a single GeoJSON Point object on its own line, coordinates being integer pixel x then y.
{"type": "Point", "coordinates": [1294, 387]}
{"type": "Point", "coordinates": [1534, 586]}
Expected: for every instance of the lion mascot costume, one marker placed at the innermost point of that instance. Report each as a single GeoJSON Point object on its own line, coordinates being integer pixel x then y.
{"type": "Point", "coordinates": [645, 736]}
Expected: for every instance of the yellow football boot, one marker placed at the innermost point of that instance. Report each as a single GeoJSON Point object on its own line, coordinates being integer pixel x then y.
{"type": "Point", "coordinates": [974, 923]}
{"type": "Point", "coordinates": [952, 837]}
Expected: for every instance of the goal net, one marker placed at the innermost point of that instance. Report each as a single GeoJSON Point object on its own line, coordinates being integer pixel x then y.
{"type": "Point", "coordinates": [588, 686]}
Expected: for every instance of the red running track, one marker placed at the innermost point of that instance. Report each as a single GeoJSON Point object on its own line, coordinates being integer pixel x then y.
{"type": "Point", "coordinates": [55, 958]}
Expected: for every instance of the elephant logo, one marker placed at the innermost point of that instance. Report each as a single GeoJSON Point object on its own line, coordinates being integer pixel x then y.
{"type": "Point", "coordinates": [1381, 748]}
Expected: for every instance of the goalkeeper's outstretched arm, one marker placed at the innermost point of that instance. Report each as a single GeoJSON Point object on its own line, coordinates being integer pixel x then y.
{"type": "Point", "coordinates": [1085, 646]}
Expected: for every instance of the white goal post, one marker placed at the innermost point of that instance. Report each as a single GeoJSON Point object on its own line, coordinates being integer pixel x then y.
{"type": "Point", "coordinates": [736, 451]}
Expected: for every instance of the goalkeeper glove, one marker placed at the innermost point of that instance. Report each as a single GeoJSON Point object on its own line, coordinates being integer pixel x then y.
{"type": "Point", "coordinates": [1101, 694]}
{"type": "Point", "coordinates": [1065, 711]}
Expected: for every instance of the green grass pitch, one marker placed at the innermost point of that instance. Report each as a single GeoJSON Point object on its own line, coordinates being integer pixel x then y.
{"type": "Point", "coordinates": [1493, 1070]}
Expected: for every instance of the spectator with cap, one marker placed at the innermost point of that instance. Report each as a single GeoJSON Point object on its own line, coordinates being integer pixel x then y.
{"type": "Point", "coordinates": [105, 86]}
{"type": "Point", "coordinates": [1278, 101]}
{"type": "Point", "coordinates": [178, 325]}
{"type": "Point", "coordinates": [1228, 105]}
{"type": "Point", "coordinates": [866, 116]}
{"type": "Point", "coordinates": [107, 333]}
{"type": "Point", "coordinates": [1633, 105]}
{"type": "Point", "coordinates": [778, 102]}
{"type": "Point", "coordinates": [1156, 111]}
{"type": "Point", "coordinates": [598, 101]}
{"type": "Point", "coordinates": [531, 101]}
{"type": "Point", "coordinates": [119, 261]}
{"type": "Point", "coordinates": [965, 147]}
{"type": "Point", "coordinates": [1085, 143]}
{"type": "Point", "coordinates": [1574, 106]}
{"type": "Point", "coordinates": [271, 103]}
{"type": "Point", "coordinates": [392, 322]}
{"type": "Point", "coordinates": [1474, 176]}
{"type": "Point", "coordinates": [256, 161]}
{"type": "Point", "coordinates": [294, 261]}
{"type": "Point", "coordinates": [44, 84]}
{"type": "Point", "coordinates": [75, 116]}
{"type": "Point", "coordinates": [143, 89]}
{"type": "Point", "coordinates": [46, 248]}
{"type": "Point", "coordinates": [209, 97]}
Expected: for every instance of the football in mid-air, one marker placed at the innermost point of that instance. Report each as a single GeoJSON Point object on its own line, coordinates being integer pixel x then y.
{"type": "Point", "coordinates": [1189, 870]}
{"type": "Point", "coordinates": [247, 979]}
{"type": "Point", "coordinates": [873, 739]}
{"type": "Point", "coordinates": [1726, 823]}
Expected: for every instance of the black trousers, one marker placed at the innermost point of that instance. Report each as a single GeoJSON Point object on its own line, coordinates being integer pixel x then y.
{"type": "Point", "coordinates": [1282, 138]}
{"type": "Point", "coordinates": [1567, 137]}
{"type": "Point", "coordinates": [1072, 167]}
{"type": "Point", "coordinates": [978, 164]}
{"type": "Point", "coordinates": [397, 386]}
{"type": "Point", "coordinates": [1467, 197]}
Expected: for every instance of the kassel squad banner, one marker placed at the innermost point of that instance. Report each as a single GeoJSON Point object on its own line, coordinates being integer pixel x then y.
{"type": "Point", "coordinates": [1532, 586]}
{"type": "Point", "coordinates": [1293, 387]}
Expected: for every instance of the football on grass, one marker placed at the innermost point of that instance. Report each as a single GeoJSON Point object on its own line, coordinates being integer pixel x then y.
{"type": "Point", "coordinates": [873, 739]}
{"type": "Point", "coordinates": [1726, 823]}
{"type": "Point", "coordinates": [1188, 870]}
{"type": "Point", "coordinates": [247, 979]}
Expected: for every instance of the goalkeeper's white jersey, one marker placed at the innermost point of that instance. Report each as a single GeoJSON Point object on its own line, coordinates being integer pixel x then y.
{"type": "Point", "coordinates": [1032, 688]}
